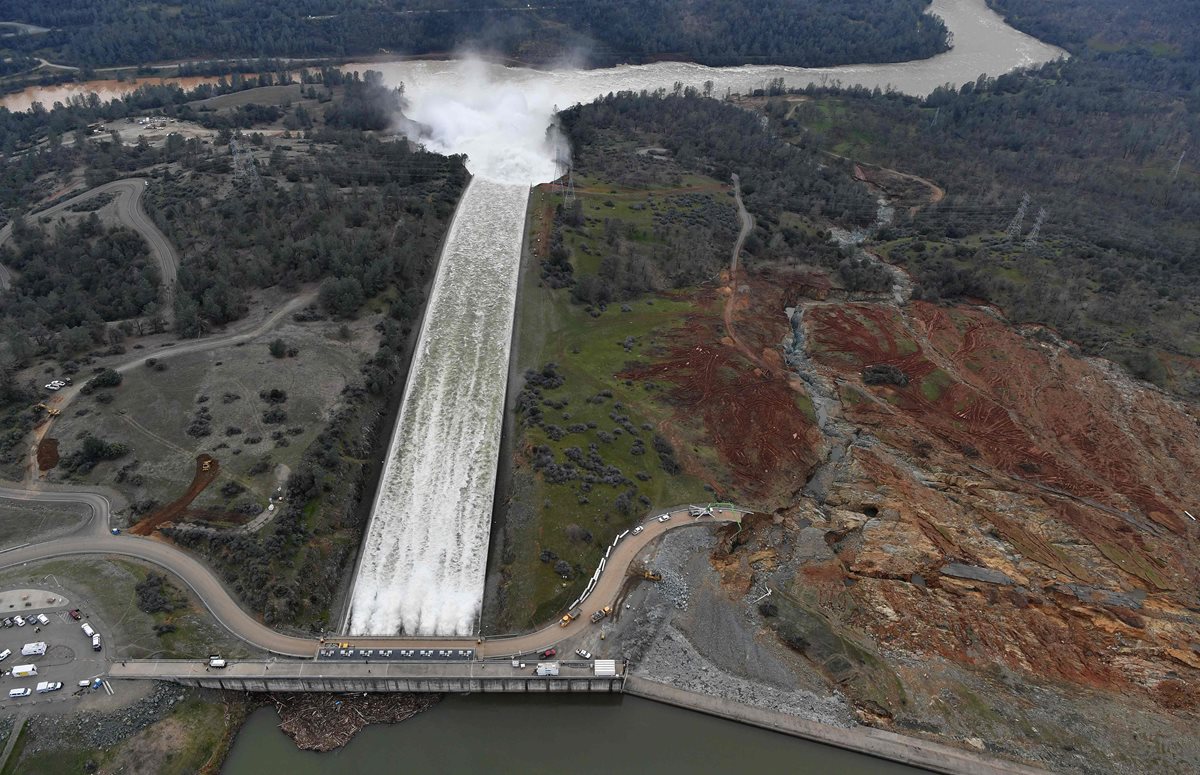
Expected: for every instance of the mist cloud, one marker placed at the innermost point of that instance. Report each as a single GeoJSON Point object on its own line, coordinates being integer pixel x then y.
{"type": "Point", "coordinates": [500, 125]}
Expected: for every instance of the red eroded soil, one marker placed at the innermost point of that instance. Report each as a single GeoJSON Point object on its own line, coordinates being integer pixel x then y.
{"type": "Point", "coordinates": [174, 510]}
{"type": "Point", "coordinates": [751, 410]}
{"type": "Point", "coordinates": [47, 454]}
{"type": "Point", "coordinates": [1015, 405]}
{"type": "Point", "coordinates": [1053, 424]}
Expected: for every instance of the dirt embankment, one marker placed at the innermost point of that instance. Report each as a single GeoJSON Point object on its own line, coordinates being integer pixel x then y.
{"type": "Point", "coordinates": [207, 471]}
{"type": "Point", "coordinates": [1018, 505]}
{"type": "Point", "coordinates": [732, 392]}
{"type": "Point", "coordinates": [47, 454]}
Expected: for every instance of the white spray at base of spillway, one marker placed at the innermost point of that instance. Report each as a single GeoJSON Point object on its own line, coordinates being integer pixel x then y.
{"type": "Point", "coordinates": [421, 569]}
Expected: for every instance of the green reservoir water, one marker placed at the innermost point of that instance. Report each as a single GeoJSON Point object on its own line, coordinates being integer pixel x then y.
{"type": "Point", "coordinates": [531, 735]}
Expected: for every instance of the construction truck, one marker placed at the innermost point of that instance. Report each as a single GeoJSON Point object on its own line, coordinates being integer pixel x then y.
{"type": "Point", "coordinates": [569, 617]}
{"type": "Point", "coordinates": [50, 410]}
{"type": "Point", "coordinates": [603, 612]}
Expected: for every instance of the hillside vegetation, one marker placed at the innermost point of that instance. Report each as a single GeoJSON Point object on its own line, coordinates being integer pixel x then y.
{"type": "Point", "coordinates": [800, 32]}
{"type": "Point", "coordinates": [1103, 145]}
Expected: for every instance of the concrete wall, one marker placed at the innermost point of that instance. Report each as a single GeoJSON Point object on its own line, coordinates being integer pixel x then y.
{"type": "Point", "coordinates": [456, 685]}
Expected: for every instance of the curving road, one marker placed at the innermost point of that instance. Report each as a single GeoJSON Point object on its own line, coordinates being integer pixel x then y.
{"type": "Point", "coordinates": [129, 211]}
{"type": "Point", "coordinates": [227, 611]}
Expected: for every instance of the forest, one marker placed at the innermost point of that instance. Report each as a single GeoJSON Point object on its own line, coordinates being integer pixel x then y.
{"type": "Point", "coordinates": [689, 239]}
{"type": "Point", "coordinates": [1103, 144]}
{"type": "Point", "coordinates": [96, 33]}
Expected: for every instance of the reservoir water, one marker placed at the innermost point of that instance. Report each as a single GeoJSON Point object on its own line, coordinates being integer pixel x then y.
{"type": "Point", "coordinates": [536, 735]}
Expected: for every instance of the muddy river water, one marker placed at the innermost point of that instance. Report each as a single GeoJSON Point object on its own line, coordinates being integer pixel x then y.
{"type": "Point", "coordinates": [536, 735]}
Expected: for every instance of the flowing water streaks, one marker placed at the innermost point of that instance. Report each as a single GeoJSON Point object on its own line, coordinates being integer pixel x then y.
{"type": "Point", "coordinates": [422, 565]}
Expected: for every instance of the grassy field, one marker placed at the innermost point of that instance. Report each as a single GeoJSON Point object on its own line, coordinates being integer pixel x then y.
{"type": "Point", "coordinates": [107, 588]}
{"type": "Point", "coordinates": [151, 412]}
{"type": "Point", "coordinates": [589, 351]}
{"type": "Point", "coordinates": [22, 522]}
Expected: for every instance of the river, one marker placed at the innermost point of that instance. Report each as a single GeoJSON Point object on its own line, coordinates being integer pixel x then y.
{"type": "Point", "coordinates": [532, 735]}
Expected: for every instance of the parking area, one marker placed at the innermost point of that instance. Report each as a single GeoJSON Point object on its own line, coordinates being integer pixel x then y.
{"type": "Point", "coordinates": [50, 647]}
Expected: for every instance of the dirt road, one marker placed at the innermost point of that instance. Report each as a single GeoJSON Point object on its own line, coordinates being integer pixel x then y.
{"type": "Point", "coordinates": [64, 397]}
{"type": "Point", "coordinates": [129, 212]}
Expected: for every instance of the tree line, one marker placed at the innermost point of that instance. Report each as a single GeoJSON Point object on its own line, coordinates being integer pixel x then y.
{"type": "Point", "coordinates": [794, 32]}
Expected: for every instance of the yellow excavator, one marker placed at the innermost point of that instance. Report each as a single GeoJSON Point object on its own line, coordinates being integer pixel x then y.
{"type": "Point", "coordinates": [651, 575]}
{"type": "Point", "coordinates": [50, 410]}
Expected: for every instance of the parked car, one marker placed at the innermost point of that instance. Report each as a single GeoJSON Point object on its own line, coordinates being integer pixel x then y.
{"type": "Point", "coordinates": [96, 642]}
{"type": "Point", "coordinates": [43, 619]}
{"type": "Point", "coordinates": [75, 614]}
{"type": "Point", "coordinates": [5, 654]}
{"type": "Point", "coordinates": [22, 692]}
{"type": "Point", "coordinates": [664, 518]}
{"type": "Point", "coordinates": [548, 653]}
{"type": "Point", "coordinates": [19, 620]}
{"type": "Point", "coordinates": [583, 654]}
{"type": "Point", "coordinates": [8, 622]}
{"type": "Point", "coordinates": [52, 387]}
{"type": "Point", "coordinates": [638, 529]}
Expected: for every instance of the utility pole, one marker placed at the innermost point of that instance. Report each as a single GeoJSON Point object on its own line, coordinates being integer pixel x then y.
{"type": "Point", "coordinates": [1014, 228]}
{"type": "Point", "coordinates": [1031, 240]}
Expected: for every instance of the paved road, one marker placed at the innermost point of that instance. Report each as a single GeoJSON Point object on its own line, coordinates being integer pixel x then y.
{"type": "Point", "coordinates": [226, 609]}
{"type": "Point", "coordinates": [129, 211]}
{"type": "Point", "coordinates": [96, 501]}
{"type": "Point", "coordinates": [196, 575]}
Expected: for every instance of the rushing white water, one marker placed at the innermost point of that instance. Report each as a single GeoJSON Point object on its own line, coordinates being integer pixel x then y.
{"type": "Point", "coordinates": [422, 566]}
{"type": "Point", "coordinates": [423, 560]}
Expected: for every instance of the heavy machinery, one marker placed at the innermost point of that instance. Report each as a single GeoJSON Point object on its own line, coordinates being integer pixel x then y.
{"type": "Point", "coordinates": [569, 617]}
{"type": "Point", "coordinates": [50, 410]}
{"type": "Point", "coordinates": [603, 612]}
{"type": "Point", "coordinates": [651, 575]}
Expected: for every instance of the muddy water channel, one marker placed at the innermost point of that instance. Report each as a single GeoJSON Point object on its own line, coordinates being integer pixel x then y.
{"type": "Point", "coordinates": [560, 735]}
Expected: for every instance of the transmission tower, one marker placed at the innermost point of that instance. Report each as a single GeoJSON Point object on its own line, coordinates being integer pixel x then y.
{"type": "Point", "coordinates": [1014, 228]}
{"type": "Point", "coordinates": [569, 196]}
{"type": "Point", "coordinates": [244, 167]}
{"type": "Point", "coordinates": [1031, 240]}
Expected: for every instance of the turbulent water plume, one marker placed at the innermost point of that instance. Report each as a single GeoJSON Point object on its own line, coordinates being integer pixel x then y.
{"type": "Point", "coordinates": [506, 129]}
